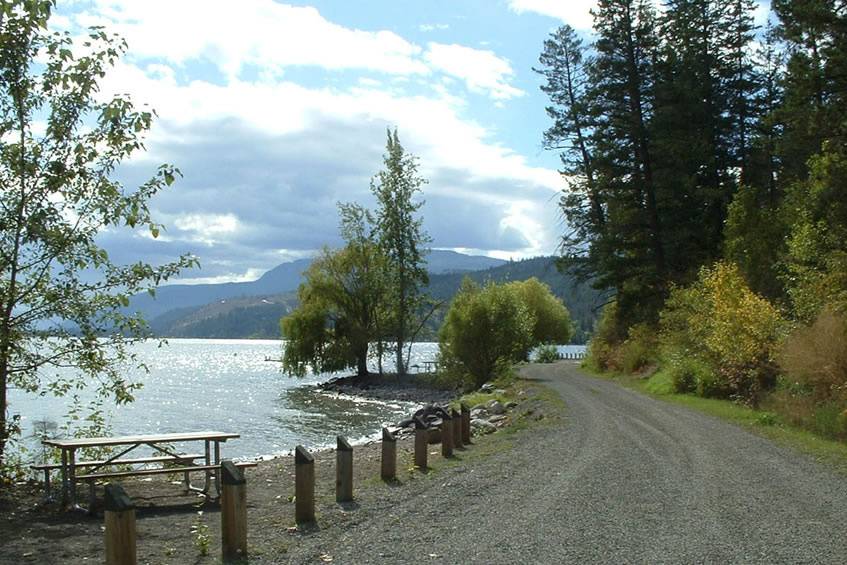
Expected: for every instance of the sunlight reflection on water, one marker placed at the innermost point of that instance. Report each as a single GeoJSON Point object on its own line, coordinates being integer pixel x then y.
{"type": "Point", "coordinates": [227, 385]}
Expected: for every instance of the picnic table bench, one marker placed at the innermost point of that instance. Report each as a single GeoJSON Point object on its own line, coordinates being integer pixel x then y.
{"type": "Point", "coordinates": [119, 466]}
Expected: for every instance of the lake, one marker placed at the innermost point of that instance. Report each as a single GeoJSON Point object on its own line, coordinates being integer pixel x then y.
{"type": "Point", "coordinates": [227, 385]}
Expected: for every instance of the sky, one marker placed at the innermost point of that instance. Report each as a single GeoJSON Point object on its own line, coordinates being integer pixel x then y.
{"type": "Point", "coordinates": [276, 111]}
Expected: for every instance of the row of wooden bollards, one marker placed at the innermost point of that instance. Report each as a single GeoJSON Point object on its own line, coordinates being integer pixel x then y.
{"type": "Point", "coordinates": [120, 512]}
{"type": "Point", "coordinates": [455, 433]}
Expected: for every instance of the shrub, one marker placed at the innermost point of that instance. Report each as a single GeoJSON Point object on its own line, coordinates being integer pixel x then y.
{"type": "Point", "coordinates": [730, 331]}
{"type": "Point", "coordinates": [547, 354]}
{"type": "Point", "coordinates": [638, 350]}
{"type": "Point", "coordinates": [489, 328]}
{"type": "Point", "coordinates": [552, 321]}
{"type": "Point", "coordinates": [615, 348]}
{"type": "Point", "coordinates": [485, 327]}
{"type": "Point", "coordinates": [686, 373]}
{"type": "Point", "coordinates": [816, 356]}
{"type": "Point", "coordinates": [608, 334]}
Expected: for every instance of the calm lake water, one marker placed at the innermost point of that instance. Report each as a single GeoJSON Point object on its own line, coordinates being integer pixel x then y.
{"type": "Point", "coordinates": [227, 385]}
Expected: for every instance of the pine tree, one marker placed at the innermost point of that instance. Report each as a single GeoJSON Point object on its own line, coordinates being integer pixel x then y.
{"type": "Point", "coordinates": [632, 256]}
{"type": "Point", "coordinates": [402, 239]}
{"type": "Point", "coordinates": [563, 64]}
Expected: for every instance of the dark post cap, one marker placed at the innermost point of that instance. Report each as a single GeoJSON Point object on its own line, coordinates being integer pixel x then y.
{"type": "Point", "coordinates": [456, 414]}
{"type": "Point", "coordinates": [342, 444]}
{"type": "Point", "coordinates": [387, 436]}
{"type": "Point", "coordinates": [116, 499]}
{"type": "Point", "coordinates": [465, 407]}
{"type": "Point", "coordinates": [230, 474]}
{"type": "Point", "coordinates": [302, 456]}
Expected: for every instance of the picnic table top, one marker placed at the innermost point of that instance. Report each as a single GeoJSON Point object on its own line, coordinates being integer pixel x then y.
{"type": "Point", "coordinates": [126, 440]}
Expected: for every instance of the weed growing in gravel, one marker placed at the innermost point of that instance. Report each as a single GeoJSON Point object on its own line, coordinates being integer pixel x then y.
{"type": "Point", "coordinates": [202, 539]}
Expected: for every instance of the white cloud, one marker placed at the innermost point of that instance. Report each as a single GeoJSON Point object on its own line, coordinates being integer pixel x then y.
{"type": "Point", "coordinates": [207, 229]}
{"type": "Point", "coordinates": [482, 71]}
{"type": "Point", "coordinates": [248, 276]}
{"type": "Point", "coordinates": [433, 27]}
{"type": "Point", "coordinates": [440, 134]}
{"type": "Point", "coordinates": [573, 12]}
{"type": "Point", "coordinates": [253, 32]}
{"type": "Point", "coordinates": [251, 150]}
{"type": "Point", "coordinates": [271, 37]}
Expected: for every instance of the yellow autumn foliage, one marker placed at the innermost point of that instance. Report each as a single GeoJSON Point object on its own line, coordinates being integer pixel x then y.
{"type": "Point", "coordinates": [730, 333]}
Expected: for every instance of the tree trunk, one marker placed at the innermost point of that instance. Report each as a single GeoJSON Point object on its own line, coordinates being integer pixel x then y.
{"type": "Point", "coordinates": [642, 150]}
{"type": "Point", "coordinates": [401, 311]}
{"type": "Point", "coordinates": [362, 362]}
{"type": "Point", "coordinates": [11, 289]}
{"type": "Point", "coordinates": [401, 366]}
{"type": "Point", "coordinates": [3, 425]}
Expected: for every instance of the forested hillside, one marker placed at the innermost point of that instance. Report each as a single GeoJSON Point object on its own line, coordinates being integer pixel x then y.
{"type": "Point", "coordinates": [258, 316]}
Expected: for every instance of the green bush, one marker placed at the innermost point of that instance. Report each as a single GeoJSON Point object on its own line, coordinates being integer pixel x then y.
{"type": "Point", "coordinates": [547, 354]}
{"type": "Point", "coordinates": [731, 332]}
{"type": "Point", "coordinates": [488, 328]}
{"type": "Point", "coordinates": [552, 321]}
{"type": "Point", "coordinates": [608, 334]}
{"type": "Point", "coordinates": [686, 373]}
{"type": "Point", "coordinates": [638, 350]}
{"type": "Point", "coordinates": [483, 326]}
{"type": "Point", "coordinates": [615, 348]}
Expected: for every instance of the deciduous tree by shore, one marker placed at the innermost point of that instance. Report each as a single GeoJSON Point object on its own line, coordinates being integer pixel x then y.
{"type": "Point", "coordinates": [58, 193]}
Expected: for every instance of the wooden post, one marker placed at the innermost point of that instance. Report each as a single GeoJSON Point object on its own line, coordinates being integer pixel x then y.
{"type": "Point", "coordinates": [233, 513]}
{"type": "Point", "coordinates": [120, 526]}
{"type": "Point", "coordinates": [421, 444]}
{"type": "Point", "coordinates": [457, 429]}
{"type": "Point", "coordinates": [343, 470]}
{"type": "Point", "coordinates": [388, 472]}
{"type": "Point", "coordinates": [304, 486]}
{"type": "Point", "coordinates": [447, 436]}
{"type": "Point", "coordinates": [466, 424]}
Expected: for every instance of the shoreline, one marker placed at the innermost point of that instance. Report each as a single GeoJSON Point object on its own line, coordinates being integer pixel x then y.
{"type": "Point", "coordinates": [382, 388]}
{"type": "Point", "coordinates": [391, 387]}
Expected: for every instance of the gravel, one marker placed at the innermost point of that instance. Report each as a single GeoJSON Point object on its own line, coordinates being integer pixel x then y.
{"type": "Point", "coordinates": [625, 479]}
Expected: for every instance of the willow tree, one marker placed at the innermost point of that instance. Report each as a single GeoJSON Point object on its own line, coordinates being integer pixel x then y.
{"type": "Point", "coordinates": [342, 301]}
{"type": "Point", "coordinates": [61, 141]}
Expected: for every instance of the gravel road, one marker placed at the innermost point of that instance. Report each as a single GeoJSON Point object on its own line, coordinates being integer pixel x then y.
{"type": "Point", "coordinates": [626, 479]}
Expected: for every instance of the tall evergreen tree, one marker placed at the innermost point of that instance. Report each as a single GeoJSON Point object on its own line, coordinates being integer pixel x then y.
{"type": "Point", "coordinates": [563, 65]}
{"type": "Point", "coordinates": [402, 238]}
{"type": "Point", "coordinates": [815, 100]}
{"type": "Point", "coordinates": [632, 259]}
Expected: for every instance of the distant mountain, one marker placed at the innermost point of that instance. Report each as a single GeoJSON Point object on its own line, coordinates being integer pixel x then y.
{"type": "Point", "coordinates": [242, 317]}
{"type": "Point", "coordinates": [283, 278]}
{"type": "Point", "coordinates": [441, 261]}
{"type": "Point", "coordinates": [258, 316]}
{"type": "Point", "coordinates": [279, 280]}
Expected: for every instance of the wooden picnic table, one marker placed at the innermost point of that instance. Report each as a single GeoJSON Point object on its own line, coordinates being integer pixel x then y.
{"type": "Point", "coordinates": [158, 442]}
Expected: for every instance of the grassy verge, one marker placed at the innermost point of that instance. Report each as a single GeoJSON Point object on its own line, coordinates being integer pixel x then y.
{"type": "Point", "coordinates": [762, 422]}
